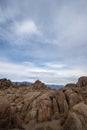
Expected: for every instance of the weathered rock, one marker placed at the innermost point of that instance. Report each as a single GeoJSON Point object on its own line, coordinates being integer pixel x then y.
{"type": "Point", "coordinates": [73, 94]}
{"type": "Point", "coordinates": [73, 122]}
{"type": "Point", "coordinates": [8, 116]}
{"type": "Point", "coordinates": [4, 83]}
{"type": "Point", "coordinates": [16, 121]}
{"type": "Point", "coordinates": [38, 103]}
{"type": "Point", "coordinates": [82, 81]}
{"type": "Point", "coordinates": [38, 85]}
{"type": "Point", "coordinates": [77, 118]}
{"type": "Point", "coordinates": [45, 108]}
{"type": "Point", "coordinates": [55, 106]}
{"type": "Point", "coordinates": [61, 100]}
{"type": "Point", "coordinates": [5, 116]}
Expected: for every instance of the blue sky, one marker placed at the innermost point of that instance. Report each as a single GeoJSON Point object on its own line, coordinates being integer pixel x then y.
{"type": "Point", "coordinates": [43, 39]}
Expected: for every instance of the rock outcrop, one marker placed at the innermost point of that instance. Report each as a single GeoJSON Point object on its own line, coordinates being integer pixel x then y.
{"type": "Point", "coordinates": [82, 81]}
{"type": "Point", "coordinates": [4, 113]}
{"type": "Point", "coordinates": [38, 85]}
{"type": "Point", "coordinates": [43, 107]}
{"type": "Point", "coordinates": [8, 115]}
{"type": "Point", "coordinates": [77, 118]}
{"type": "Point", "coordinates": [38, 104]}
{"type": "Point", "coordinates": [4, 83]}
{"type": "Point", "coordinates": [73, 94]}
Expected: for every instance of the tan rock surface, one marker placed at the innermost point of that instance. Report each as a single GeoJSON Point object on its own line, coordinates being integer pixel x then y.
{"type": "Point", "coordinates": [77, 118]}
{"type": "Point", "coordinates": [38, 104]}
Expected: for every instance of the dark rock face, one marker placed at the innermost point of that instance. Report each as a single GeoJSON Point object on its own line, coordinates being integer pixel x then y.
{"type": "Point", "coordinates": [16, 121]}
{"type": "Point", "coordinates": [82, 81]}
{"type": "Point", "coordinates": [4, 113]}
{"type": "Point", "coordinates": [8, 115]}
{"type": "Point", "coordinates": [4, 83]}
{"type": "Point", "coordinates": [38, 85]}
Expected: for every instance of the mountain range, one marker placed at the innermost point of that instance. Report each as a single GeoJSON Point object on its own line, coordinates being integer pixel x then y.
{"type": "Point", "coordinates": [49, 85]}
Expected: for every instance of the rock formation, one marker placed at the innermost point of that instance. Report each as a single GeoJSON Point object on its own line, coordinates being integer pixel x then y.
{"type": "Point", "coordinates": [82, 82]}
{"type": "Point", "coordinates": [36, 105]}
{"type": "Point", "coordinates": [38, 85]}
{"type": "Point", "coordinates": [8, 115]}
{"type": "Point", "coordinates": [4, 83]}
{"type": "Point", "coordinates": [4, 113]}
{"type": "Point", "coordinates": [77, 118]}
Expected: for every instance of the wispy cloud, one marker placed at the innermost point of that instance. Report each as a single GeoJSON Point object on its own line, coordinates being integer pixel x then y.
{"type": "Point", "coordinates": [54, 65]}
{"type": "Point", "coordinates": [31, 72]}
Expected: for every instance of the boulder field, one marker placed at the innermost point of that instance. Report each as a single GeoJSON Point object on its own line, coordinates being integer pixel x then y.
{"type": "Point", "coordinates": [38, 107]}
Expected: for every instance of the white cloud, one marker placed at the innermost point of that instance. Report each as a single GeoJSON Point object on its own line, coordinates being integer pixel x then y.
{"type": "Point", "coordinates": [27, 28]}
{"type": "Point", "coordinates": [20, 32]}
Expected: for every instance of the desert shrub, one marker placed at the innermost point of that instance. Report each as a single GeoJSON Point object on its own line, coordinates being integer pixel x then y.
{"type": "Point", "coordinates": [39, 128]}
{"type": "Point", "coordinates": [48, 128]}
{"type": "Point", "coordinates": [62, 121]}
{"type": "Point", "coordinates": [63, 117]}
{"type": "Point", "coordinates": [65, 114]}
{"type": "Point", "coordinates": [56, 115]}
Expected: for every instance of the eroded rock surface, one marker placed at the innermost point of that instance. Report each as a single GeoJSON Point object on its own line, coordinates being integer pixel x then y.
{"type": "Point", "coordinates": [82, 81]}
{"type": "Point", "coordinates": [36, 104]}
{"type": "Point", "coordinates": [77, 118]}
{"type": "Point", "coordinates": [5, 83]}
{"type": "Point", "coordinates": [4, 113]}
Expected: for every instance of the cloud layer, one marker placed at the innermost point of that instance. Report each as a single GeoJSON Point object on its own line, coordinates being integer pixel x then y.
{"type": "Point", "coordinates": [49, 73]}
{"type": "Point", "coordinates": [48, 35]}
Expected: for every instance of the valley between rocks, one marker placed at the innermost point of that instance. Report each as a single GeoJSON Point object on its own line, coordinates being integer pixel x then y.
{"type": "Point", "coordinates": [38, 107]}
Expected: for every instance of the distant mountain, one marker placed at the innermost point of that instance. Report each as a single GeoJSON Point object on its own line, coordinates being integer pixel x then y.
{"type": "Point", "coordinates": [24, 82]}
{"type": "Point", "coordinates": [55, 86]}
{"type": "Point", "coordinates": [49, 85]}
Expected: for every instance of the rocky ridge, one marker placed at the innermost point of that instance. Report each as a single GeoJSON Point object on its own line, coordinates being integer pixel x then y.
{"type": "Point", "coordinates": [37, 107]}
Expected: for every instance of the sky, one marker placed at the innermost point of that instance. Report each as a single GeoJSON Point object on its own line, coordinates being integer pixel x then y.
{"type": "Point", "coordinates": [43, 39]}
